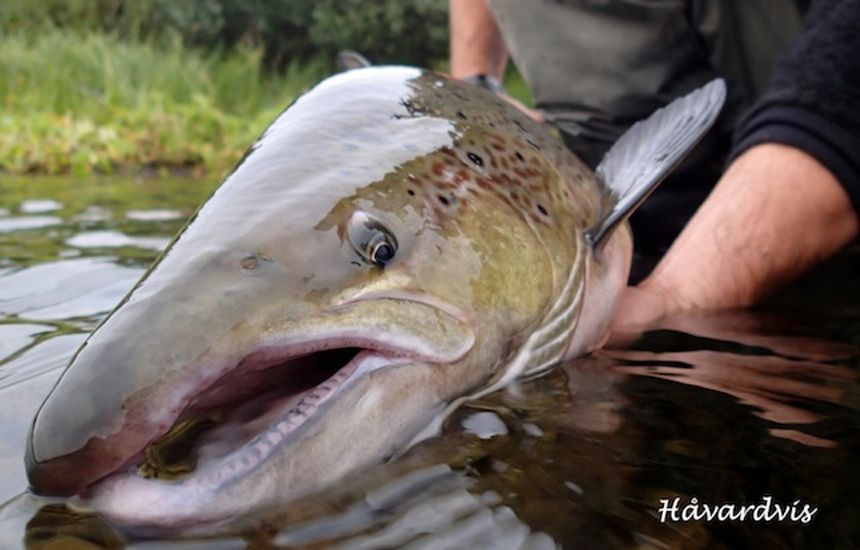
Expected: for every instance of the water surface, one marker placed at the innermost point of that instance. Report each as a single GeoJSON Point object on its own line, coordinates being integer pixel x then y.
{"type": "Point", "coordinates": [728, 408]}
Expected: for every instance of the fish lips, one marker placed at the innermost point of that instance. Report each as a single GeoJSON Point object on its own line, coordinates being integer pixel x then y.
{"type": "Point", "coordinates": [102, 456]}
{"type": "Point", "coordinates": [222, 493]}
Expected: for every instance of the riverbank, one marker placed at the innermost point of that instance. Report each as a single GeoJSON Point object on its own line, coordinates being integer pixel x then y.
{"type": "Point", "coordinates": [80, 103]}
{"type": "Point", "coordinates": [91, 103]}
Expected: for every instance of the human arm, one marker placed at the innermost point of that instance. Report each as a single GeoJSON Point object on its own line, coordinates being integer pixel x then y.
{"type": "Point", "coordinates": [790, 197]}
{"type": "Point", "coordinates": [774, 214]}
{"type": "Point", "coordinates": [477, 46]}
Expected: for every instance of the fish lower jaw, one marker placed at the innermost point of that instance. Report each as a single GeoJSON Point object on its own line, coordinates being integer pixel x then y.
{"type": "Point", "coordinates": [155, 506]}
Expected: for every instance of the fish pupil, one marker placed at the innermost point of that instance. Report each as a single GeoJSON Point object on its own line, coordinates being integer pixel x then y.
{"type": "Point", "coordinates": [382, 254]}
{"type": "Point", "coordinates": [370, 239]}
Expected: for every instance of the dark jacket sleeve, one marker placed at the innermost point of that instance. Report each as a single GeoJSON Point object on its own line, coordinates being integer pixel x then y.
{"type": "Point", "coordinates": [813, 101]}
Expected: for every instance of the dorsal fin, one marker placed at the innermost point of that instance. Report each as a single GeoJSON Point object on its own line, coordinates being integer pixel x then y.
{"type": "Point", "coordinates": [348, 60]}
{"type": "Point", "coordinates": [650, 149]}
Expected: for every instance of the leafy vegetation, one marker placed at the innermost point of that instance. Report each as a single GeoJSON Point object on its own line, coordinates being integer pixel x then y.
{"type": "Point", "coordinates": [78, 104]}
{"type": "Point", "coordinates": [285, 31]}
{"type": "Point", "coordinates": [104, 85]}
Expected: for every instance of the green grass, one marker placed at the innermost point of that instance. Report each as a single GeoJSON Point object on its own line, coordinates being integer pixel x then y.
{"type": "Point", "coordinates": [89, 102]}
{"type": "Point", "coordinates": [83, 103]}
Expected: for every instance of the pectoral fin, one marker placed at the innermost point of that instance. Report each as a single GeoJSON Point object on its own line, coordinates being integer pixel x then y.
{"type": "Point", "coordinates": [650, 149]}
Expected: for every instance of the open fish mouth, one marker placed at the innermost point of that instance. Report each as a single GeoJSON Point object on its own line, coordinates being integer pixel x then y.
{"type": "Point", "coordinates": [235, 422]}
{"type": "Point", "coordinates": [265, 407]}
{"type": "Point", "coordinates": [236, 398]}
{"type": "Point", "coordinates": [229, 415]}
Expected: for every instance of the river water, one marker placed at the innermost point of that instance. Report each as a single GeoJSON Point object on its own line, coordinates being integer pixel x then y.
{"type": "Point", "coordinates": [755, 408]}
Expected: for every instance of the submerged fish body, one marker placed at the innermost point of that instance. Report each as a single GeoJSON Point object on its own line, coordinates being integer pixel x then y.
{"type": "Point", "coordinates": [395, 242]}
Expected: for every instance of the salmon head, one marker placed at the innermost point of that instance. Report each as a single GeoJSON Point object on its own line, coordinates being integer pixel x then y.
{"type": "Point", "coordinates": [394, 242]}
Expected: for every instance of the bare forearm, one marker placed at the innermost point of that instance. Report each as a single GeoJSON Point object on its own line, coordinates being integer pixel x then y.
{"type": "Point", "coordinates": [775, 213]}
{"type": "Point", "coordinates": [476, 43]}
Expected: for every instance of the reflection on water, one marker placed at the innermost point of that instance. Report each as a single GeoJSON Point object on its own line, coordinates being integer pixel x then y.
{"type": "Point", "coordinates": [115, 239]}
{"type": "Point", "coordinates": [39, 206]}
{"type": "Point", "coordinates": [154, 215]}
{"type": "Point", "coordinates": [74, 288]}
{"type": "Point", "coordinates": [8, 223]}
{"type": "Point", "coordinates": [725, 408]}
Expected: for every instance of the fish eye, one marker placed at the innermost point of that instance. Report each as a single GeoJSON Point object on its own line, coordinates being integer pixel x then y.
{"type": "Point", "coordinates": [371, 239]}
{"type": "Point", "coordinates": [381, 252]}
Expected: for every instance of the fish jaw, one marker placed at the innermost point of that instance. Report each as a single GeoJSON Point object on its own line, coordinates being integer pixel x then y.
{"type": "Point", "coordinates": [393, 329]}
{"type": "Point", "coordinates": [291, 457]}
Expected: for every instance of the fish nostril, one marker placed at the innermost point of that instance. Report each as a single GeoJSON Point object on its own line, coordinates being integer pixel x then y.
{"type": "Point", "coordinates": [252, 261]}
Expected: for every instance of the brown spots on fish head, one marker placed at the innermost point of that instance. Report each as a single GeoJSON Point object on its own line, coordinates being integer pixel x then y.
{"type": "Point", "coordinates": [487, 168]}
{"type": "Point", "coordinates": [492, 138]}
{"type": "Point", "coordinates": [515, 173]}
{"type": "Point", "coordinates": [485, 184]}
{"type": "Point", "coordinates": [438, 185]}
{"type": "Point", "coordinates": [437, 168]}
{"type": "Point", "coordinates": [461, 177]}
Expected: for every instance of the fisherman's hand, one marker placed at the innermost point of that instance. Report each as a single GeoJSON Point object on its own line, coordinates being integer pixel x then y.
{"type": "Point", "coordinates": [533, 114]}
{"type": "Point", "coordinates": [478, 51]}
{"type": "Point", "coordinates": [774, 214]}
{"type": "Point", "coordinates": [637, 310]}
{"type": "Point", "coordinates": [494, 85]}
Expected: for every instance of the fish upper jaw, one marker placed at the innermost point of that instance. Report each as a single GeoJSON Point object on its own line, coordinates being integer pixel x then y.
{"type": "Point", "coordinates": [394, 322]}
{"type": "Point", "coordinates": [409, 296]}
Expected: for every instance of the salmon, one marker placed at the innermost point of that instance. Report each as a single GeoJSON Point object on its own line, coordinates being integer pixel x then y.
{"type": "Point", "coordinates": [394, 243]}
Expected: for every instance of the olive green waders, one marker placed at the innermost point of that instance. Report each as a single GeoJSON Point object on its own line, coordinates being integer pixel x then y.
{"type": "Point", "coordinates": [597, 66]}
